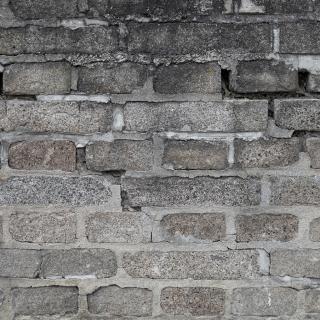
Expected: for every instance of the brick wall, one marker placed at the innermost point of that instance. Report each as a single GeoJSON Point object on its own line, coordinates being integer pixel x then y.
{"type": "Point", "coordinates": [160, 159]}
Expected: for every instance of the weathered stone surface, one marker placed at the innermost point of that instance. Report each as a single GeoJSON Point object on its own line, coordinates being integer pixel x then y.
{"type": "Point", "coordinates": [193, 155]}
{"type": "Point", "coordinates": [192, 227]}
{"type": "Point", "coordinates": [315, 230]}
{"type": "Point", "coordinates": [215, 265]}
{"type": "Point", "coordinates": [128, 227]}
{"type": "Point", "coordinates": [289, 191]}
{"type": "Point", "coordinates": [298, 114]}
{"type": "Point", "coordinates": [264, 301]}
{"type": "Point", "coordinates": [188, 78]}
{"type": "Point", "coordinates": [313, 149]}
{"type": "Point", "coordinates": [121, 301]}
{"type": "Point", "coordinates": [77, 263]}
{"type": "Point", "coordinates": [266, 227]}
{"type": "Point", "coordinates": [215, 116]}
{"type": "Point", "coordinates": [66, 117]}
{"type": "Point", "coordinates": [124, 78]}
{"type": "Point", "coordinates": [40, 227]}
{"type": "Point", "coordinates": [1, 229]}
{"type": "Point", "coordinates": [264, 76]}
{"type": "Point", "coordinates": [43, 155]}
{"type": "Point", "coordinates": [198, 38]}
{"type": "Point", "coordinates": [120, 155]}
{"type": "Point", "coordinates": [312, 301]}
{"type": "Point", "coordinates": [2, 297]}
{"type": "Point", "coordinates": [54, 300]}
{"type": "Point", "coordinates": [265, 153]}
{"type": "Point", "coordinates": [313, 82]}
{"type": "Point", "coordinates": [175, 191]}
{"type": "Point", "coordinates": [48, 190]}
{"type": "Point", "coordinates": [18, 263]}
{"type": "Point", "coordinates": [37, 78]}
{"type": "Point", "coordinates": [296, 263]}
{"type": "Point", "coordinates": [197, 301]}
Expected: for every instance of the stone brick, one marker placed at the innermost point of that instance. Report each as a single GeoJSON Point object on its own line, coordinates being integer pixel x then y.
{"type": "Point", "coordinates": [264, 301]}
{"type": "Point", "coordinates": [315, 230]}
{"type": "Point", "coordinates": [312, 301]}
{"type": "Point", "coordinates": [205, 191]}
{"type": "Point", "coordinates": [296, 263]}
{"type": "Point", "coordinates": [313, 149]}
{"type": "Point", "coordinates": [77, 263]}
{"type": "Point", "coordinates": [289, 191]}
{"type": "Point", "coordinates": [100, 78]}
{"type": "Point", "coordinates": [192, 227]}
{"type": "Point", "coordinates": [128, 227]}
{"type": "Point", "coordinates": [43, 155]}
{"type": "Point", "coordinates": [215, 116]}
{"type": "Point", "coordinates": [40, 227]}
{"type": "Point", "coordinates": [37, 78]}
{"type": "Point", "coordinates": [212, 265]}
{"type": "Point", "coordinates": [193, 155]}
{"type": "Point", "coordinates": [54, 300]}
{"type": "Point", "coordinates": [66, 117]}
{"type": "Point", "coordinates": [121, 301]}
{"type": "Point", "coordinates": [266, 227]}
{"type": "Point", "coordinates": [120, 155]}
{"type": "Point", "coordinates": [264, 76]}
{"type": "Point", "coordinates": [188, 78]}
{"type": "Point", "coordinates": [1, 229]}
{"type": "Point", "coordinates": [197, 301]}
{"type": "Point", "coordinates": [266, 153]}
{"type": "Point", "coordinates": [18, 263]}
{"type": "Point", "coordinates": [313, 82]}
{"type": "Point", "coordinates": [49, 190]}
{"type": "Point", "coordinates": [2, 297]}
{"type": "Point", "coordinates": [298, 114]}
{"type": "Point", "coordinates": [199, 38]}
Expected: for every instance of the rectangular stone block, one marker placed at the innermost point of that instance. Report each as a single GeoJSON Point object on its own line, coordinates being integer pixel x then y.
{"type": "Point", "coordinates": [212, 265]}
{"type": "Point", "coordinates": [264, 76]}
{"type": "Point", "coordinates": [215, 116]}
{"type": "Point", "coordinates": [266, 227]}
{"type": "Point", "coordinates": [120, 155]}
{"type": "Point", "coordinates": [313, 82]}
{"type": "Point", "coordinates": [295, 263]}
{"type": "Point", "coordinates": [43, 155]}
{"type": "Point", "coordinates": [37, 78]}
{"type": "Point", "coordinates": [38, 301]}
{"type": "Point", "coordinates": [188, 78]}
{"type": "Point", "coordinates": [100, 78]}
{"type": "Point", "coordinates": [18, 263]}
{"type": "Point", "coordinates": [265, 153]}
{"type": "Point", "coordinates": [313, 149]}
{"type": "Point", "coordinates": [199, 38]}
{"type": "Point", "coordinates": [312, 301]}
{"type": "Point", "coordinates": [315, 230]}
{"type": "Point", "coordinates": [264, 301]}
{"type": "Point", "coordinates": [40, 227]}
{"type": "Point", "coordinates": [196, 301]}
{"type": "Point", "coordinates": [127, 227]}
{"type": "Point", "coordinates": [203, 191]}
{"type": "Point", "coordinates": [78, 263]}
{"type": "Point", "coordinates": [121, 301]}
{"type": "Point", "coordinates": [195, 155]}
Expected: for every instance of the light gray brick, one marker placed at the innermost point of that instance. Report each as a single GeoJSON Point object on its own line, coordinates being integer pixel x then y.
{"type": "Point", "coordinates": [315, 230]}
{"type": "Point", "coordinates": [312, 301]}
{"type": "Point", "coordinates": [313, 149]}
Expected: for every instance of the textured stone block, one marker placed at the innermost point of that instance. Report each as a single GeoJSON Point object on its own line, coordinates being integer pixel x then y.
{"type": "Point", "coordinates": [100, 78]}
{"type": "Point", "coordinates": [37, 78]}
{"type": "Point", "coordinates": [175, 191]}
{"type": "Point", "coordinates": [313, 149]}
{"type": "Point", "coordinates": [264, 301]}
{"type": "Point", "coordinates": [43, 155]}
{"type": "Point", "coordinates": [121, 301]}
{"type": "Point", "coordinates": [40, 227]}
{"type": "Point", "coordinates": [296, 263]}
{"type": "Point", "coordinates": [188, 78]}
{"type": "Point", "coordinates": [54, 300]}
{"type": "Point", "coordinates": [313, 82]}
{"type": "Point", "coordinates": [264, 76]}
{"type": "Point", "coordinates": [77, 263]}
{"type": "Point", "coordinates": [214, 265]}
{"type": "Point", "coordinates": [315, 230]}
{"type": "Point", "coordinates": [192, 227]}
{"type": "Point", "coordinates": [266, 227]}
{"type": "Point", "coordinates": [312, 301]}
{"type": "Point", "coordinates": [2, 297]}
{"type": "Point", "coordinates": [193, 155]}
{"type": "Point", "coordinates": [266, 153]}
{"type": "Point", "coordinates": [197, 301]}
{"type": "Point", "coordinates": [120, 155]}
{"type": "Point", "coordinates": [128, 227]}
{"type": "Point", "coordinates": [215, 116]}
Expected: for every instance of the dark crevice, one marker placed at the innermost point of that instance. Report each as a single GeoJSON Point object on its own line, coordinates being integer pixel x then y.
{"type": "Point", "coordinates": [225, 82]}
{"type": "Point", "coordinates": [271, 108]}
{"type": "Point", "coordinates": [1, 83]}
{"type": "Point", "coordinates": [303, 80]}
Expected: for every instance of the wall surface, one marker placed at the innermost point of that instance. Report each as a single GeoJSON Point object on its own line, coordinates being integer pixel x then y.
{"type": "Point", "coordinates": [160, 159]}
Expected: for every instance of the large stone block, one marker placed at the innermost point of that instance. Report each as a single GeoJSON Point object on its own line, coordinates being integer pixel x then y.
{"type": "Point", "coordinates": [313, 149]}
{"type": "Point", "coordinates": [315, 230]}
{"type": "Point", "coordinates": [312, 301]}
